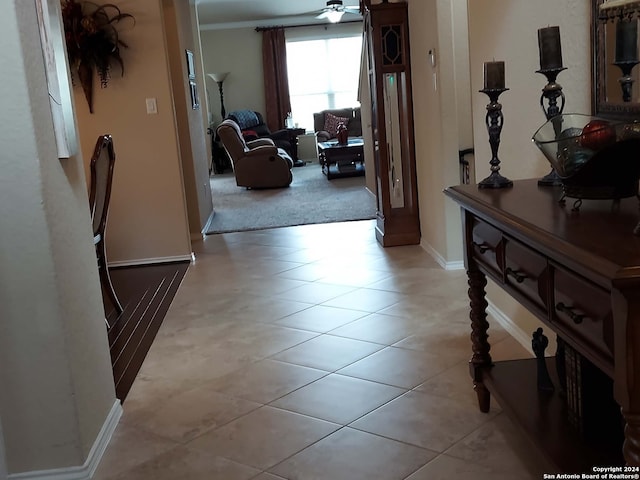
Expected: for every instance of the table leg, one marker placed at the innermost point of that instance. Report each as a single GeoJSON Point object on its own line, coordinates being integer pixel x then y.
{"type": "Point", "coordinates": [631, 445]}
{"type": "Point", "coordinates": [479, 337]}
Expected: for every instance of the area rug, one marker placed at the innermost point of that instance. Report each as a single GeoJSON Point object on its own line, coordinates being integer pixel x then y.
{"type": "Point", "coordinates": [310, 198]}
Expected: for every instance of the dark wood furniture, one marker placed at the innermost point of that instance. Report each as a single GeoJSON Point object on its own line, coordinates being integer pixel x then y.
{"type": "Point", "coordinates": [397, 216]}
{"type": "Point", "coordinates": [293, 140]}
{"type": "Point", "coordinates": [339, 160]}
{"type": "Point", "coordinates": [101, 168]}
{"type": "Point", "coordinates": [607, 97]}
{"type": "Point", "coordinates": [579, 273]}
{"type": "Point", "coordinates": [220, 161]}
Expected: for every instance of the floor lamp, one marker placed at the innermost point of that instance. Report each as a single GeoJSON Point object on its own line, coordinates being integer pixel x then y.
{"type": "Point", "coordinates": [219, 79]}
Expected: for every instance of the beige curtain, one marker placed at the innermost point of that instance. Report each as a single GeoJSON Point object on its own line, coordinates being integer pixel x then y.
{"type": "Point", "coordinates": [276, 82]}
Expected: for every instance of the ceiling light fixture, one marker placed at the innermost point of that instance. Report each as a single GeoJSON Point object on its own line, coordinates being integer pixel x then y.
{"type": "Point", "coordinates": [334, 16]}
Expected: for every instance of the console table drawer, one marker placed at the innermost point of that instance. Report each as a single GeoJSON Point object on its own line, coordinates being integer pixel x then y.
{"type": "Point", "coordinates": [527, 272]}
{"type": "Point", "coordinates": [584, 311]}
{"type": "Point", "coordinates": [487, 245]}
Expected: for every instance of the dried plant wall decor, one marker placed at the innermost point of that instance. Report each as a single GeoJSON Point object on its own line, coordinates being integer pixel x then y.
{"type": "Point", "coordinates": [93, 42]}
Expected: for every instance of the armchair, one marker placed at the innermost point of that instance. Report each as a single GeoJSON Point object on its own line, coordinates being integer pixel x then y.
{"type": "Point", "coordinates": [258, 163]}
{"type": "Point", "coordinates": [252, 125]}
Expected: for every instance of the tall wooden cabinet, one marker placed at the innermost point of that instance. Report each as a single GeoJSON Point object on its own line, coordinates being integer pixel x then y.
{"type": "Point", "coordinates": [389, 62]}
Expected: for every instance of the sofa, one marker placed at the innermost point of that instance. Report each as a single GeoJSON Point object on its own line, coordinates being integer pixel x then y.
{"type": "Point", "coordinates": [325, 122]}
{"type": "Point", "coordinates": [257, 163]}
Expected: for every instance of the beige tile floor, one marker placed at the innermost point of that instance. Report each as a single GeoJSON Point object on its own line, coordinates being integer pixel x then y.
{"type": "Point", "coordinates": [311, 353]}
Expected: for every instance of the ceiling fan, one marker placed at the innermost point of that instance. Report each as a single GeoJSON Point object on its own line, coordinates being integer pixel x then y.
{"type": "Point", "coordinates": [335, 9]}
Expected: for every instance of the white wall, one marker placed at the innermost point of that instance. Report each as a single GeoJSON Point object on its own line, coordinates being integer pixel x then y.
{"type": "Point", "coordinates": [239, 52]}
{"type": "Point", "coordinates": [56, 384]}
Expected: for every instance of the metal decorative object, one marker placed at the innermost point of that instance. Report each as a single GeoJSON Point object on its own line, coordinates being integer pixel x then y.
{"type": "Point", "coordinates": [494, 120]}
{"type": "Point", "coordinates": [539, 343]}
{"type": "Point", "coordinates": [551, 92]}
{"type": "Point", "coordinates": [626, 81]}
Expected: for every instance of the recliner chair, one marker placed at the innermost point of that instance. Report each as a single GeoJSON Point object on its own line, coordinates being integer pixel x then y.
{"type": "Point", "coordinates": [252, 125]}
{"type": "Point", "coordinates": [258, 163]}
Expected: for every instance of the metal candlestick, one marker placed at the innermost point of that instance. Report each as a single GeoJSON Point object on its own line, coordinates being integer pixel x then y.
{"type": "Point", "coordinates": [539, 343]}
{"type": "Point", "coordinates": [494, 120]}
{"type": "Point", "coordinates": [626, 81]}
{"type": "Point", "coordinates": [551, 92]}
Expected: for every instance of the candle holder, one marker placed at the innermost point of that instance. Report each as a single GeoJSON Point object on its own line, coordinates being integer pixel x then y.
{"type": "Point", "coordinates": [551, 92]}
{"type": "Point", "coordinates": [626, 81]}
{"type": "Point", "coordinates": [494, 120]}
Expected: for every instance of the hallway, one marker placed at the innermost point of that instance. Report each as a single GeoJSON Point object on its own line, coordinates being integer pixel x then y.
{"type": "Point", "coordinates": [311, 352]}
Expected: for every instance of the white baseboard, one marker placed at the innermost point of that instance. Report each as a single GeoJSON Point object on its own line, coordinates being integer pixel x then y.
{"type": "Point", "coordinates": [499, 316]}
{"type": "Point", "coordinates": [207, 225]}
{"type": "Point", "coordinates": [522, 337]}
{"type": "Point", "coordinates": [457, 265]}
{"type": "Point", "coordinates": [86, 471]}
{"type": "Point", "coordinates": [147, 261]}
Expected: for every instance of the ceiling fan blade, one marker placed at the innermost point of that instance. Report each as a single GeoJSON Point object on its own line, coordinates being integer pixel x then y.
{"type": "Point", "coordinates": [323, 14]}
{"type": "Point", "coordinates": [352, 10]}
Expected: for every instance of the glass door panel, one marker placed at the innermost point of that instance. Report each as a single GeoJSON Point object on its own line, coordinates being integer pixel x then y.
{"type": "Point", "coordinates": [393, 141]}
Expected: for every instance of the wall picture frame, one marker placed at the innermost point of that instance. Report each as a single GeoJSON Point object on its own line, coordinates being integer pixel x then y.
{"type": "Point", "coordinates": [58, 80]}
{"type": "Point", "coordinates": [191, 77]}
{"type": "Point", "coordinates": [195, 100]}
{"type": "Point", "coordinates": [191, 66]}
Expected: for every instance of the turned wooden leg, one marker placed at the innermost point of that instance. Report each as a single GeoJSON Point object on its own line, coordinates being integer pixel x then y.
{"type": "Point", "coordinates": [479, 337]}
{"type": "Point", "coordinates": [631, 445]}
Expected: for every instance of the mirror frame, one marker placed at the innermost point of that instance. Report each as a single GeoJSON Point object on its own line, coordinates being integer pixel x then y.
{"type": "Point", "coordinates": [599, 106]}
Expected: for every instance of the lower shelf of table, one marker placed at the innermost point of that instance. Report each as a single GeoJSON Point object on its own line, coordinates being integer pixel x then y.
{"type": "Point", "coordinates": [543, 417]}
{"type": "Point", "coordinates": [343, 170]}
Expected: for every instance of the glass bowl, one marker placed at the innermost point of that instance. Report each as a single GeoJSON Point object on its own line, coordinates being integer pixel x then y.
{"type": "Point", "coordinates": [594, 157]}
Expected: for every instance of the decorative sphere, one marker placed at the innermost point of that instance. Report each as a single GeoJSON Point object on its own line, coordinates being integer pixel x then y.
{"type": "Point", "coordinates": [597, 134]}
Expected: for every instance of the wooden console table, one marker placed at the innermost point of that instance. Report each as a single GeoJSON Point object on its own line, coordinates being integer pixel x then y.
{"type": "Point", "coordinates": [579, 273]}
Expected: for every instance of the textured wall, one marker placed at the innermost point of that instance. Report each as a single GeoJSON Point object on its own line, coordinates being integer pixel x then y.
{"type": "Point", "coordinates": [194, 154]}
{"type": "Point", "coordinates": [239, 52]}
{"type": "Point", "coordinates": [148, 214]}
{"type": "Point", "coordinates": [507, 30]}
{"type": "Point", "coordinates": [441, 114]}
{"type": "Point", "coordinates": [56, 384]}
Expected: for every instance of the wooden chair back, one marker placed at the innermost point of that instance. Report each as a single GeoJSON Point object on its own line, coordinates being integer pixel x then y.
{"type": "Point", "coordinates": [101, 168]}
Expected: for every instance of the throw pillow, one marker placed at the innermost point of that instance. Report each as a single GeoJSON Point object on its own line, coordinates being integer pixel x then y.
{"type": "Point", "coordinates": [331, 123]}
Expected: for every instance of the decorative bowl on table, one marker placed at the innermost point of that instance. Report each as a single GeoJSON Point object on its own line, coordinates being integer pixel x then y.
{"type": "Point", "coordinates": [595, 158]}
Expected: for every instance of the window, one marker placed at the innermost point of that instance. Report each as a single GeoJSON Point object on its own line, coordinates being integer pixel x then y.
{"type": "Point", "coordinates": [323, 73]}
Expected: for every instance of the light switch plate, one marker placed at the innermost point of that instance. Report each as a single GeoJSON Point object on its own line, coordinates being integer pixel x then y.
{"type": "Point", "coordinates": [152, 106]}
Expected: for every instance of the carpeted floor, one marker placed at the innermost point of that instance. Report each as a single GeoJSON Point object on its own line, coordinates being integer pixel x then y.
{"type": "Point", "coordinates": [310, 198]}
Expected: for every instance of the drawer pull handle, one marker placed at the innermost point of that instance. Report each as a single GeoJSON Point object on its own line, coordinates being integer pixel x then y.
{"type": "Point", "coordinates": [576, 317]}
{"type": "Point", "coordinates": [483, 247]}
{"type": "Point", "coordinates": [518, 277]}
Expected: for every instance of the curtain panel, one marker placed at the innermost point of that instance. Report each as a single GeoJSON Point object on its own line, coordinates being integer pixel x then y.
{"type": "Point", "coordinates": [276, 82]}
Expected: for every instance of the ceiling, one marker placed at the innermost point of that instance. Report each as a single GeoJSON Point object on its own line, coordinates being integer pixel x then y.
{"type": "Point", "coordinates": [214, 14]}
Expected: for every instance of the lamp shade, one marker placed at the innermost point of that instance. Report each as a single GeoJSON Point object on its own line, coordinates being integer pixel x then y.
{"type": "Point", "coordinates": [218, 77]}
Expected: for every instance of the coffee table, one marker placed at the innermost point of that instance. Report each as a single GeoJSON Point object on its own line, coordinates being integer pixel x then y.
{"type": "Point", "coordinates": [342, 160]}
